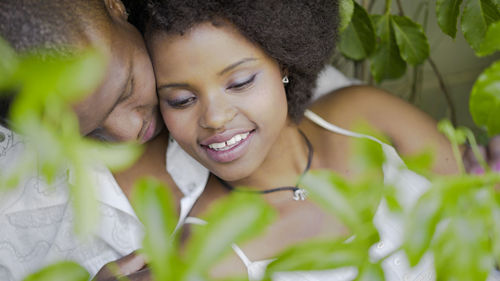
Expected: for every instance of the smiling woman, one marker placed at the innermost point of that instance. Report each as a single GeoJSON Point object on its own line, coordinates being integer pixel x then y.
{"type": "Point", "coordinates": [234, 82]}
{"type": "Point", "coordinates": [215, 88]}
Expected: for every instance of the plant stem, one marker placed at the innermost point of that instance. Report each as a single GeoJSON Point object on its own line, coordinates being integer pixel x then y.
{"type": "Point", "coordinates": [445, 91]}
{"type": "Point", "coordinates": [370, 6]}
{"type": "Point", "coordinates": [458, 156]}
{"type": "Point", "coordinates": [388, 4]}
{"type": "Point", "coordinates": [400, 7]}
{"type": "Point", "coordinates": [415, 83]}
{"type": "Point", "coordinates": [475, 149]}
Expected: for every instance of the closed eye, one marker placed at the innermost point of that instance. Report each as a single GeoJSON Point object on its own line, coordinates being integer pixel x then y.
{"type": "Point", "coordinates": [242, 85]}
{"type": "Point", "coordinates": [181, 103]}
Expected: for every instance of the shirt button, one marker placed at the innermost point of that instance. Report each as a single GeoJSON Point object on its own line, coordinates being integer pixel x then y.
{"type": "Point", "coordinates": [2, 137]}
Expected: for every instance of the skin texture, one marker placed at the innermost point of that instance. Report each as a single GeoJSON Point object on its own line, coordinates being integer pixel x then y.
{"type": "Point", "coordinates": [198, 103]}
{"type": "Point", "coordinates": [206, 98]}
{"type": "Point", "coordinates": [124, 106]}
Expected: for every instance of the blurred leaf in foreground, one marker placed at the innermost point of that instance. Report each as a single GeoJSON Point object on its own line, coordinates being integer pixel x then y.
{"type": "Point", "coordinates": [46, 86]}
{"type": "Point", "coordinates": [63, 271]}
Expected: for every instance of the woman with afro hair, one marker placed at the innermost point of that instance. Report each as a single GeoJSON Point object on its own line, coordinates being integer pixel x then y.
{"type": "Point", "coordinates": [234, 80]}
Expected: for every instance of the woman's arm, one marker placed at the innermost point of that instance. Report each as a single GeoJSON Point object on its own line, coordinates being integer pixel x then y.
{"type": "Point", "coordinates": [409, 129]}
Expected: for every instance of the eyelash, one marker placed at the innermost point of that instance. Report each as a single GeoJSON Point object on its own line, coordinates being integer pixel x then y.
{"type": "Point", "coordinates": [181, 103]}
{"type": "Point", "coordinates": [242, 85]}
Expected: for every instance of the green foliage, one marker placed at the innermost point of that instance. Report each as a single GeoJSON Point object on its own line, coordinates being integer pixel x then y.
{"type": "Point", "coordinates": [358, 38]}
{"type": "Point", "coordinates": [485, 100]}
{"type": "Point", "coordinates": [346, 8]}
{"type": "Point", "coordinates": [411, 40]}
{"type": "Point", "coordinates": [153, 204]}
{"type": "Point", "coordinates": [491, 41]}
{"type": "Point", "coordinates": [234, 219]}
{"type": "Point", "coordinates": [319, 255]}
{"type": "Point", "coordinates": [354, 203]}
{"type": "Point", "coordinates": [63, 271]}
{"type": "Point", "coordinates": [386, 61]}
{"type": "Point", "coordinates": [389, 41]}
{"type": "Point", "coordinates": [45, 87]}
{"type": "Point", "coordinates": [479, 22]}
{"type": "Point", "coordinates": [447, 15]}
{"type": "Point", "coordinates": [477, 17]}
{"type": "Point", "coordinates": [456, 219]}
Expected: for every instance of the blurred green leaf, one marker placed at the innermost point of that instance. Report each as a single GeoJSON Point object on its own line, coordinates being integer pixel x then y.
{"type": "Point", "coordinates": [420, 163]}
{"type": "Point", "coordinates": [82, 75]}
{"type": "Point", "coordinates": [367, 154]}
{"type": "Point", "coordinates": [320, 255]}
{"type": "Point", "coordinates": [491, 42]}
{"type": "Point", "coordinates": [421, 225]}
{"type": "Point", "coordinates": [83, 192]}
{"type": "Point", "coordinates": [386, 61]}
{"type": "Point", "coordinates": [477, 16]}
{"type": "Point", "coordinates": [153, 204]}
{"type": "Point", "coordinates": [484, 103]}
{"type": "Point", "coordinates": [233, 219]}
{"type": "Point", "coordinates": [461, 251]}
{"type": "Point", "coordinates": [391, 199]}
{"type": "Point", "coordinates": [358, 39]}
{"type": "Point", "coordinates": [370, 272]}
{"type": "Point", "coordinates": [451, 133]}
{"type": "Point", "coordinates": [411, 40]}
{"type": "Point", "coordinates": [447, 15]}
{"type": "Point", "coordinates": [495, 214]}
{"type": "Point", "coordinates": [63, 271]}
{"type": "Point", "coordinates": [115, 156]}
{"type": "Point", "coordinates": [325, 188]}
{"type": "Point", "coordinates": [346, 9]}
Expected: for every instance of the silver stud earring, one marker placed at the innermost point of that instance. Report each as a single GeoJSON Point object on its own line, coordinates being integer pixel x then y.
{"type": "Point", "coordinates": [285, 80]}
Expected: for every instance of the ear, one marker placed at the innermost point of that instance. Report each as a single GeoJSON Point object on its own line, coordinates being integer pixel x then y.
{"type": "Point", "coordinates": [116, 9]}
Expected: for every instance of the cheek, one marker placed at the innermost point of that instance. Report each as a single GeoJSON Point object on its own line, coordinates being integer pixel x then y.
{"type": "Point", "coordinates": [178, 124]}
{"type": "Point", "coordinates": [271, 104]}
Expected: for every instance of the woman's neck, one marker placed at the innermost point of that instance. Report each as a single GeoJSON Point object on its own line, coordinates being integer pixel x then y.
{"type": "Point", "coordinates": [284, 163]}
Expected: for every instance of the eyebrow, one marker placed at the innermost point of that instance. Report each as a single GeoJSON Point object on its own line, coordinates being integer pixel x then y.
{"type": "Point", "coordinates": [236, 64]}
{"type": "Point", "coordinates": [225, 70]}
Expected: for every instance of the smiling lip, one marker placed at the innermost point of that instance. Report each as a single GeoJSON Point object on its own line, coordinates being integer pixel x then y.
{"type": "Point", "coordinates": [233, 152]}
{"type": "Point", "coordinates": [149, 131]}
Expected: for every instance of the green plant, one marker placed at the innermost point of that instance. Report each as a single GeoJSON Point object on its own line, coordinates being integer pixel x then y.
{"type": "Point", "coordinates": [391, 41]}
{"type": "Point", "coordinates": [456, 220]}
{"type": "Point", "coordinates": [45, 86]}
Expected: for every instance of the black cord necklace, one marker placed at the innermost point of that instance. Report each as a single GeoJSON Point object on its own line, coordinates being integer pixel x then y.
{"type": "Point", "coordinates": [298, 193]}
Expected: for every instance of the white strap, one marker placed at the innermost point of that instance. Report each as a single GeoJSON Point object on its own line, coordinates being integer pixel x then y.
{"type": "Point", "coordinates": [242, 255]}
{"type": "Point", "coordinates": [195, 220]}
{"type": "Point", "coordinates": [332, 128]}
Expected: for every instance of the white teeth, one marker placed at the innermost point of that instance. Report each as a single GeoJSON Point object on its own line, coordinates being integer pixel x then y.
{"type": "Point", "coordinates": [226, 145]}
{"type": "Point", "coordinates": [217, 145]}
{"type": "Point", "coordinates": [231, 141]}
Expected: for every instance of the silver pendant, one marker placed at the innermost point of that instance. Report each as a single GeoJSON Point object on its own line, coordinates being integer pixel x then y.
{"type": "Point", "coordinates": [300, 194]}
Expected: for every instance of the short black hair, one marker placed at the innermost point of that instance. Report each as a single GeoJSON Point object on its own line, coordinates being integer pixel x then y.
{"type": "Point", "coordinates": [49, 25]}
{"type": "Point", "coordinates": [299, 34]}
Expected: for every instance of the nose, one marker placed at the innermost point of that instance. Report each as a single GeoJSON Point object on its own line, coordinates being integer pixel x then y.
{"type": "Point", "coordinates": [218, 111]}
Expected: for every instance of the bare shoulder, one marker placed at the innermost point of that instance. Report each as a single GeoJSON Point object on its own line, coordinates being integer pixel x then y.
{"type": "Point", "coordinates": [409, 129]}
